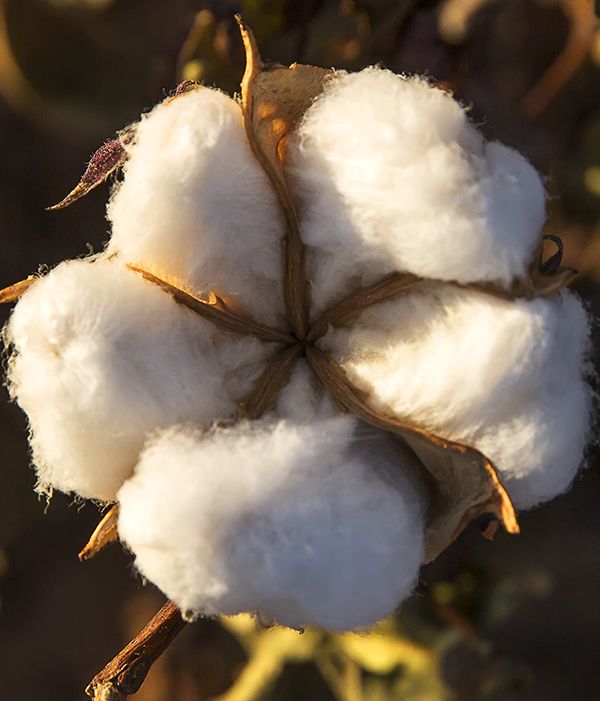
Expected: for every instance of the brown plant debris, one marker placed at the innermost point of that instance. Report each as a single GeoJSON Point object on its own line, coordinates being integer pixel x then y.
{"type": "Point", "coordinates": [124, 674]}
{"type": "Point", "coordinates": [105, 533]}
{"type": "Point", "coordinates": [274, 98]}
{"type": "Point", "coordinates": [13, 293]}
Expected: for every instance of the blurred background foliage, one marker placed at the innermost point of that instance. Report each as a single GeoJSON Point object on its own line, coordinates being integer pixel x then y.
{"type": "Point", "coordinates": [514, 620]}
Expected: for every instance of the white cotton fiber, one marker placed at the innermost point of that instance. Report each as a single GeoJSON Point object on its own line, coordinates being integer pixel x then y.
{"type": "Point", "coordinates": [100, 358]}
{"type": "Point", "coordinates": [196, 207]}
{"type": "Point", "coordinates": [391, 176]}
{"type": "Point", "coordinates": [504, 377]}
{"type": "Point", "coordinates": [304, 399]}
{"type": "Point", "coordinates": [306, 524]}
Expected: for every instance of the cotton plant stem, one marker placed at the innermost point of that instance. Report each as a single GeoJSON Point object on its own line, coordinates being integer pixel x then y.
{"type": "Point", "coordinates": [125, 673]}
{"type": "Point", "coordinates": [217, 313]}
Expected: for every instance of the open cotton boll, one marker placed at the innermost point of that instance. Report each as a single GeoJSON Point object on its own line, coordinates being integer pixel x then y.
{"type": "Point", "coordinates": [195, 206]}
{"type": "Point", "coordinates": [505, 377]}
{"type": "Point", "coordinates": [391, 176]}
{"type": "Point", "coordinates": [306, 524]}
{"type": "Point", "coordinates": [101, 357]}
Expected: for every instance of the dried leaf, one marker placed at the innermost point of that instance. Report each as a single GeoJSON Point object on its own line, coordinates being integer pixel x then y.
{"type": "Point", "coordinates": [466, 483]}
{"type": "Point", "coordinates": [105, 533]}
{"type": "Point", "coordinates": [14, 292]}
{"type": "Point", "coordinates": [274, 98]}
{"type": "Point", "coordinates": [108, 158]}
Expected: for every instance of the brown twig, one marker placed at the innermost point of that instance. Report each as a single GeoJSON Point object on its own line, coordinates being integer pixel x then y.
{"type": "Point", "coordinates": [125, 673]}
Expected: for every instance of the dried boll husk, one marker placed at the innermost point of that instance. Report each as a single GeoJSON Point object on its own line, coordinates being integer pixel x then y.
{"type": "Point", "coordinates": [390, 175]}
{"type": "Point", "coordinates": [303, 523]}
{"type": "Point", "coordinates": [506, 377]}
{"type": "Point", "coordinates": [196, 208]}
{"type": "Point", "coordinates": [101, 357]}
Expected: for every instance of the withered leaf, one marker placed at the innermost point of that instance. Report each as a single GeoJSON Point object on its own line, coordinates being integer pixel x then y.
{"type": "Point", "coordinates": [274, 98]}
{"type": "Point", "coordinates": [108, 158]}
{"type": "Point", "coordinates": [466, 483]}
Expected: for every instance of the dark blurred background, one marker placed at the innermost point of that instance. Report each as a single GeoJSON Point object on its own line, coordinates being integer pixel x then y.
{"type": "Point", "coordinates": [513, 620]}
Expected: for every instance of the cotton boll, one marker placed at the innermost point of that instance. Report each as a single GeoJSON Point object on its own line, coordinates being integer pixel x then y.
{"type": "Point", "coordinates": [504, 377]}
{"type": "Point", "coordinates": [307, 524]}
{"type": "Point", "coordinates": [391, 176]}
{"type": "Point", "coordinates": [196, 207]}
{"type": "Point", "coordinates": [100, 358]}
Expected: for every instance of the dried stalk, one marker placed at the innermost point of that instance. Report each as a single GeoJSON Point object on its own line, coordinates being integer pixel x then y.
{"type": "Point", "coordinates": [218, 312]}
{"type": "Point", "coordinates": [124, 674]}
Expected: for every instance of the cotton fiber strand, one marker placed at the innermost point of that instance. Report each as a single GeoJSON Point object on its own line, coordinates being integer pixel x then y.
{"type": "Point", "coordinates": [100, 358]}
{"type": "Point", "coordinates": [505, 377]}
{"type": "Point", "coordinates": [304, 524]}
{"type": "Point", "coordinates": [196, 207]}
{"type": "Point", "coordinates": [392, 176]}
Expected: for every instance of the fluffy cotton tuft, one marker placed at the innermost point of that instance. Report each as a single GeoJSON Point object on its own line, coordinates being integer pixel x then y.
{"type": "Point", "coordinates": [504, 377]}
{"type": "Point", "coordinates": [100, 358]}
{"type": "Point", "coordinates": [392, 176]}
{"type": "Point", "coordinates": [306, 524]}
{"type": "Point", "coordinates": [196, 207]}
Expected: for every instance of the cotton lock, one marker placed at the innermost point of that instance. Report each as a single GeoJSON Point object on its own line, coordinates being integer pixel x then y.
{"type": "Point", "coordinates": [304, 524]}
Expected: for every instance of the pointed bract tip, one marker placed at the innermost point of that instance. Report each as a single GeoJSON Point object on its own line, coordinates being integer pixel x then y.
{"type": "Point", "coordinates": [253, 59]}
